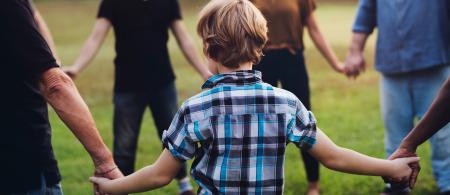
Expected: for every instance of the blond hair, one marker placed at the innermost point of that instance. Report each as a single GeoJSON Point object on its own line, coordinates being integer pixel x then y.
{"type": "Point", "coordinates": [233, 32]}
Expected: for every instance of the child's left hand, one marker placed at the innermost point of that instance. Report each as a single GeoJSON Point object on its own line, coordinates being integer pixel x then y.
{"type": "Point", "coordinates": [105, 185]}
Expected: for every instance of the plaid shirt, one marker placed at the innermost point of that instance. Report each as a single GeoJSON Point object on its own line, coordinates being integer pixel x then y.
{"type": "Point", "coordinates": [237, 131]}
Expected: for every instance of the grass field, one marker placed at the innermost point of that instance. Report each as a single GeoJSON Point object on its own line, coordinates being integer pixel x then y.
{"type": "Point", "coordinates": [347, 110]}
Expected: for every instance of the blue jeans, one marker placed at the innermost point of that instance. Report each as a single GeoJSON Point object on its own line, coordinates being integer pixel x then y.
{"type": "Point", "coordinates": [407, 97]}
{"type": "Point", "coordinates": [128, 112]}
{"type": "Point", "coordinates": [44, 189]}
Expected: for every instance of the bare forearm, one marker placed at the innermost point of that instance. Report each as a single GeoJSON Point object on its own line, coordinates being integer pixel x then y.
{"type": "Point", "coordinates": [358, 42]}
{"type": "Point", "coordinates": [62, 95]}
{"type": "Point", "coordinates": [324, 47]}
{"type": "Point", "coordinates": [187, 45]}
{"type": "Point", "coordinates": [357, 163]}
{"type": "Point", "coordinates": [190, 51]}
{"type": "Point", "coordinates": [148, 178]}
{"type": "Point", "coordinates": [87, 54]}
{"type": "Point", "coordinates": [345, 160]}
{"type": "Point", "coordinates": [143, 180]}
{"type": "Point", "coordinates": [434, 119]}
{"type": "Point", "coordinates": [45, 32]}
{"type": "Point", "coordinates": [92, 45]}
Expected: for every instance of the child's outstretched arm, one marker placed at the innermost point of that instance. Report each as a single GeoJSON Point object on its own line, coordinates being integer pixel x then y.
{"type": "Point", "coordinates": [349, 161]}
{"type": "Point", "coordinates": [151, 177]}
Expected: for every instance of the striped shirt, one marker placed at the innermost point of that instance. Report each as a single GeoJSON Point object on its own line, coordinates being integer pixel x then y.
{"type": "Point", "coordinates": [237, 132]}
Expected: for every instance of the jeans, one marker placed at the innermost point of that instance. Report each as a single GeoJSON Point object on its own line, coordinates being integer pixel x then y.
{"type": "Point", "coordinates": [128, 112]}
{"type": "Point", "coordinates": [281, 65]}
{"type": "Point", "coordinates": [407, 97]}
{"type": "Point", "coordinates": [44, 189]}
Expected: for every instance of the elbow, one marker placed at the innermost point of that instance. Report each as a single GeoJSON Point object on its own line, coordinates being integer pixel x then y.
{"type": "Point", "coordinates": [54, 82]}
{"type": "Point", "coordinates": [163, 181]}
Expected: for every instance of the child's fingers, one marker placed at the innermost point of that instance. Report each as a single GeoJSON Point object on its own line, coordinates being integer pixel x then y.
{"type": "Point", "coordinates": [412, 159]}
{"type": "Point", "coordinates": [97, 180]}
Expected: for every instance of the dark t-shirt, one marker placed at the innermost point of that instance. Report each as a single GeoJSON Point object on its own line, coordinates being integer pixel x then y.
{"type": "Point", "coordinates": [25, 141]}
{"type": "Point", "coordinates": [141, 31]}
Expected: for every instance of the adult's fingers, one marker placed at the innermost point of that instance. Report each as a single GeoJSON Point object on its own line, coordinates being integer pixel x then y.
{"type": "Point", "coordinates": [414, 175]}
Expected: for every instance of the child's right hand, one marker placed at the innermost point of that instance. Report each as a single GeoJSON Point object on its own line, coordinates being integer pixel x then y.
{"type": "Point", "coordinates": [105, 185]}
{"type": "Point", "coordinates": [401, 170]}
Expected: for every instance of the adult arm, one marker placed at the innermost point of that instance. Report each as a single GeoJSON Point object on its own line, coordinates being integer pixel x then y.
{"type": "Point", "coordinates": [321, 44]}
{"type": "Point", "coordinates": [148, 178]}
{"type": "Point", "coordinates": [45, 32]}
{"type": "Point", "coordinates": [189, 49]}
{"type": "Point", "coordinates": [434, 119]}
{"type": "Point", "coordinates": [349, 161]}
{"type": "Point", "coordinates": [61, 93]}
{"type": "Point", "coordinates": [364, 25]}
{"type": "Point", "coordinates": [91, 47]}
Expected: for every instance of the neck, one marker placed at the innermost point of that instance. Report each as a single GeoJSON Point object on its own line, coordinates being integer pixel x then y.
{"type": "Point", "coordinates": [242, 66]}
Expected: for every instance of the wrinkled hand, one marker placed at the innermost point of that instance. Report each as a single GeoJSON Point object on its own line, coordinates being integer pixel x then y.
{"type": "Point", "coordinates": [354, 64]}
{"type": "Point", "coordinates": [415, 166]}
{"type": "Point", "coordinates": [71, 72]}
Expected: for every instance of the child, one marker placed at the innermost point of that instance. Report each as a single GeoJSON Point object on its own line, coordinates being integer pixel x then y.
{"type": "Point", "coordinates": [237, 131]}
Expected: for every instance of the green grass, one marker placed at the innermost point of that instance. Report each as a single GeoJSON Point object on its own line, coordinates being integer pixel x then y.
{"type": "Point", "coordinates": [347, 110]}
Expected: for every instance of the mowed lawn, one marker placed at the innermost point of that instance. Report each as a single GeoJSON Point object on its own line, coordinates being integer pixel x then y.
{"type": "Point", "coordinates": [347, 110]}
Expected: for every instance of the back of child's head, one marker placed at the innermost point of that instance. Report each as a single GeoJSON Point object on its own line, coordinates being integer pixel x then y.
{"type": "Point", "coordinates": [233, 32]}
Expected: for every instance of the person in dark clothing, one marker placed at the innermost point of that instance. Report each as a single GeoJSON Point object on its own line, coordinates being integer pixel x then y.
{"type": "Point", "coordinates": [143, 72]}
{"type": "Point", "coordinates": [31, 78]}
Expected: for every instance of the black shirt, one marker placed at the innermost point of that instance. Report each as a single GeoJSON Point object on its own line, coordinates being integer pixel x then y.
{"type": "Point", "coordinates": [141, 31]}
{"type": "Point", "coordinates": [25, 141]}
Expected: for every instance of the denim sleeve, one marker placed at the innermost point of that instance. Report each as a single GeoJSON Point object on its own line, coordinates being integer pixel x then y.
{"type": "Point", "coordinates": [302, 129]}
{"type": "Point", "coordinates": [366, 17]}
{"type": "Point", "coordinates": [177, 139]}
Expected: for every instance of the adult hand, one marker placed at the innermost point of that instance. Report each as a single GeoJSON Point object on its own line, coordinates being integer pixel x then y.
{"type": "Point", "coordinates": [107, 170]}
{"type": "Point", "coordinates": [72, 72]}
{"type": "Point", "coordinates": [355, 64]}
{"type": "Point", "coordinates": [402, 152]}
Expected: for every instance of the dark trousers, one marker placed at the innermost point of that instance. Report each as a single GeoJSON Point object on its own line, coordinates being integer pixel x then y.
{"type": "Point", "coordinates": [281, 65]}
{"type": "Point", "coordinates": [128, 111]}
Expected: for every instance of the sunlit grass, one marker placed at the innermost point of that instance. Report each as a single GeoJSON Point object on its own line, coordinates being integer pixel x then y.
{"type": "Point", "coordinates": [347, 110]}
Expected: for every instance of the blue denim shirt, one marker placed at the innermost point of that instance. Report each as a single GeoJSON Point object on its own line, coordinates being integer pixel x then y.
{"type": "Point", "coordinates": [412, 34]}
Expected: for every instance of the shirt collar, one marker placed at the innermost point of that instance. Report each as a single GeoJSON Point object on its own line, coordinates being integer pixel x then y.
{"type": "Point", "coordinates": [242, 77]}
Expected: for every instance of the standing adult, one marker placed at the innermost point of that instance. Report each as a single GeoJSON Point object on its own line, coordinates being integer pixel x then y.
{"type": "Point", "coordinates": [284, 60]}
{"type": "Point", "coordinates": [413, 57]}
{"type": "Point", "coordinates": [31, 77]}
{"type": "Point", "coordinates": [143, 73]}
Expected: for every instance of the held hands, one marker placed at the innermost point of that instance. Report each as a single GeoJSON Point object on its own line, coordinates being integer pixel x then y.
{"type": "Point", "coordinates": [354, 64]}
{"type": "Point", "coordinates": [403, 171]}
{"type": "Point", "coordinates": [401, 153]}
{"type": "Point", "coordinates": [105, 171]}
{"type": "Point", "coordinates": [103, 185]}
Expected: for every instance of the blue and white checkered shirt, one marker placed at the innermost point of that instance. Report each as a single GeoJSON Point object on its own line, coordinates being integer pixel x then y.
{"type": "Point", "coordinates": [237, 131]}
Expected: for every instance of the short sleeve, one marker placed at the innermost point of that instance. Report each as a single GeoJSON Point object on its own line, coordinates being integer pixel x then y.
{"type": "Point", "coordinates": [175, 11]}
{"type": "Point", "coordinates": [302, 131]}
{"type": "Point", "coordinates": [23, 40]}
{"type": "Point", "coordinates": [307, 7]}
{"type": "Point", "coordinates": [177, 140]}
{"type": "Point", "coordinates": [105, 10]}
{"type": "Point", "coordinates": [366, 17]}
